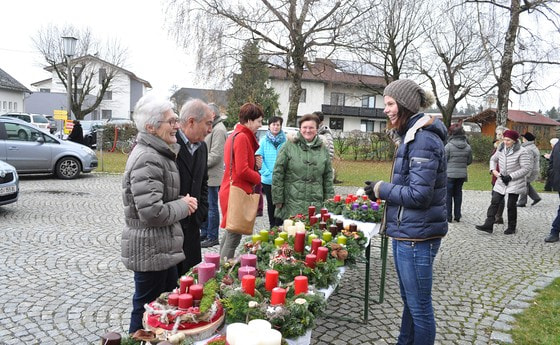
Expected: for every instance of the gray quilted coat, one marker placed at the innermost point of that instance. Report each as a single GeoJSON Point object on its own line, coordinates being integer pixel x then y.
{"type": "Point", "coordinates": [459, 155]}
{"type": "Point", "coordinates": [515, 163]}
{"type": "Point", "coordinates": [535, 155]}
{"type": "Point", "coordinates": [152, 239]}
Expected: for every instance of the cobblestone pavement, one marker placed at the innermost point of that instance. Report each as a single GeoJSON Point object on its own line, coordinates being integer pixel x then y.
{"type": "Point", "coordinates": [62, 281]}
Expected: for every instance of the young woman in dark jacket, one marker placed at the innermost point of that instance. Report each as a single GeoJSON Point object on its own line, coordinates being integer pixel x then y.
{"type": "Point", "coordinates": [416, 212]}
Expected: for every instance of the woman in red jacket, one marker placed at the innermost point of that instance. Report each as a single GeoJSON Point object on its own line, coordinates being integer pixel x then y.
{"type": "Point", "coordinates": [245, 168]}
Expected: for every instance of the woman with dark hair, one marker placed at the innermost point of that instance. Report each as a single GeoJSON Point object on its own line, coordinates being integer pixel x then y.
{"type": "Point", "coordinates": [269, 146]}
{"type": "Point", "coordinates": [303, 173]}
{"type": "Point", "coordinates": [416, 215]}
{"type": "Point", "coordinates": [459, 155]}
{"type": "Point", "coordinates": [244, 167]}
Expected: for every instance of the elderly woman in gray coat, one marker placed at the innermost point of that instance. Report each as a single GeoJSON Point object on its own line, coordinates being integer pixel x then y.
{"type": "Point", "coordinates": [515, 165]}
{"type": "Point", "coordinates": [152, 241]}
{"type": "Point", "coordinates": [528, 144]}
{"type": "Point", "coordinates": [459, 155]}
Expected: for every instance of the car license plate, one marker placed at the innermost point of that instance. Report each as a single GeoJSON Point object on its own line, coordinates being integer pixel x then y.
{"type": "Point", "coordinates": [7, 190]}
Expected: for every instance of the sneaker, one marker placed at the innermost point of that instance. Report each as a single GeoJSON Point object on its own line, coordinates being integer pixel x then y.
{"type": "Point", "coordinates": [202, 238]}
{"type": "Point", "coordinates": [552, 238]}
{"type": "Point", "coordinates": [509, 232]}
{"type": "Point", "coordinates": [210, 242]}
{"type": "Point", "coordinates": [535, 202]}
{"type": "Point", "coordinates": [485, 229]}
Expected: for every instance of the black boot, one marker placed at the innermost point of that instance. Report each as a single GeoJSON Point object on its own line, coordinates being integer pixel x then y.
{"type": "Point", "coordinates": [509, 231]}
{"type": "Point", "coordinates": [488, 225]}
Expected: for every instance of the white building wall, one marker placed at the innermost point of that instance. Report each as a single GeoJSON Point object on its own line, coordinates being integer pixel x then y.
{"type": "Point", "coordinates": [11, 101]}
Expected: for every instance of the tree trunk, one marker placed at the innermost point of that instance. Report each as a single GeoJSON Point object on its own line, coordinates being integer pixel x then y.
{"type": "Point", "coordinates": [504, 81]}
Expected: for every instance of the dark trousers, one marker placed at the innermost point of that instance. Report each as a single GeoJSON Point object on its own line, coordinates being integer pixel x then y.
{"type": "Point", "coordinates": [498, 198]}
{"type": "Point", "coordinates": [556, 223]}
{"type": "Point", "coordinates": [148, 286]}
{"type": "Point", "coordinates": [454, 197]}
{"type": "Point", "coordinates": [267, 189]}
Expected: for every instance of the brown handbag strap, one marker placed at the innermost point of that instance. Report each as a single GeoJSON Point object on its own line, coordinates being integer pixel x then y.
{"type": "Point", "coordinates": [231, 159]}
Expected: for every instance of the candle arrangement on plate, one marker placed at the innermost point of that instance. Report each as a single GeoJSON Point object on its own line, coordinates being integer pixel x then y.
{"type": "Point", "coordinates": [356, 207]}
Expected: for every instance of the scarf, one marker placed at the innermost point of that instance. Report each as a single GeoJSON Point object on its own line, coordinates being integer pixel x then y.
{"type": "Point", "coordinates": [276, 140]}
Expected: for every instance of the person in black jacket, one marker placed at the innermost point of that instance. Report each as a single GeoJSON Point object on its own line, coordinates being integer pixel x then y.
{"type": "Point", "coordinates": [195, 122]}
{"type": "Point", "coordinates": [77, 134]}
{"type": "Point", "coordinates": [554, 176]}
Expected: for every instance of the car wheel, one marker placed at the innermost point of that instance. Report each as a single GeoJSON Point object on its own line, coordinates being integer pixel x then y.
{"type": "Point", "coordinates": [67, 168]}
{"type": "Point", "coordinates": [22, 135]}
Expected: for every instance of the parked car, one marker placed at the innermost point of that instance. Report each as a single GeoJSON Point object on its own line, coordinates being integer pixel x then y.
{"type": "Point", "coordinates": [53, 122]}
{"type": "Point", "coordinates": [90, 128]}
{"type": "Point", "coordinates": [36, 151]}
{"type": "Point", "coordinates": [120, 122]}
{"type": "Point", "coordinates": [9, 183]}
{"type": "Point", "coordinates": [38, 120]}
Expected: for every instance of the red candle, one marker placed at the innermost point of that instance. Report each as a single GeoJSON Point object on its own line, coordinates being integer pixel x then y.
{"type": "Point", "coordinates": [311, 210]}
{"type": "Point", "coordinates": [322, 225]}
{"type": "Point", "coordinates": [337, 198]}
{"type": "Point", "coordinates": [313, 220]}
{"type": "Point", "coordinates": [186, 300]}
{"type": "Point", "coordinates": [310, 260]}
{"type": "Point", "coordinates": [299, 241]}
{"type": "Point", "coordinates": [248, 284]}
{"type": "Point", "coordinates": [278, 296]}
{"type": "Point", "coordinates": [213, 258]}
{"type": "Point", "coordinates": [322, 253]}
{"type": "Point", "coordinates": [271, 279]}
{"type": "Point", "coordinates": [249, 260]}
{"type": "Point", "coordinates": [316, 243]}
{"type": "Point", "coordinates": [246, 270]}
{"type": "Point", "coordinates": [184, 283]}
{"type": "Point", "coordinates": [324, 211]}
{"type": "Point", "coordinates": [173, 299]}
{"type": "Point", "coordinates": [300, 285]}
{"type": "Point", "coordinates": [325, 217]}
{"type": "Point", "coordinates": [206, 271]}
{"type": "Point", "coordinates": [196, 292]}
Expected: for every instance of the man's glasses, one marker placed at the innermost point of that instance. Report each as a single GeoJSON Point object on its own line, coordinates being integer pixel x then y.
{"type": "Point", "coordinates": [172, 122]}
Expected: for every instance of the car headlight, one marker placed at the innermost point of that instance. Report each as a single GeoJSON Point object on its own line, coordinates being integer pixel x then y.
{"type": "Point", "coordinates": [87, 150]}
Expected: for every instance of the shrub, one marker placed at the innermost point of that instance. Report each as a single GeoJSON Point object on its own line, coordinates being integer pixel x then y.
{"type": "Point", "coordinates": [482, 146]}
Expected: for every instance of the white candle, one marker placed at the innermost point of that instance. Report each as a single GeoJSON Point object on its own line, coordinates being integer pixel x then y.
{"type": "Point", "coordinates": [250, 337]}
{"type": "Point", "coordinates": [291, 230]}
{"type": "Point", "coordinates": [234, 331]}
{"type": "Point", "coordinates": [271, 337]}
{"type": "Point", "coordinates": [288, 222]}
{"type": "Point", "coordinates": [300, 226]}
{"type": "Point", "coordinates": [259, 325]}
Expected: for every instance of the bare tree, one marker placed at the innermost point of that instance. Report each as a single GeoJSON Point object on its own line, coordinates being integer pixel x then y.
{"type": "Point", "coordinates": [94, 68]}
{"type": "Point", "coordinates": [451, 63]}
{"type": "Point", "coordinates": [525, 51]}
{"type": "Point", "coordinates": [292, 32]}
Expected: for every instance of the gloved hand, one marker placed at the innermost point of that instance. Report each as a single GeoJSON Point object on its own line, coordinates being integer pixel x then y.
{"type": "Point", "coordinates": [506, 179]}
{"type": "Point", "coordinates": [368, 189]}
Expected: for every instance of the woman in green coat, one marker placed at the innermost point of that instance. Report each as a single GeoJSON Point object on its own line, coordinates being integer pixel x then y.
{"type": "Point", "coordinates": [302, 174]}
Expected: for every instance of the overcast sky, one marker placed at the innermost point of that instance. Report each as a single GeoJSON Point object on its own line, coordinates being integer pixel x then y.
{"type": "Point", "coordinates": [138, 24]}
{"type": "Point", "coordinates": [152, 55]}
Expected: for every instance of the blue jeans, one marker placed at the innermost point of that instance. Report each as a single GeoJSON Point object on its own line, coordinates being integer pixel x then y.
{"type": "Point", "coordinates": [556, 223]}
{"type": "Point", "coordinates": [209, 228]}
{"type": "Point", "coordinates": [454, 196]}
{"type": "Point", "coordinates": [148, 286]}
{"type": "Point", "coordinates": [413, 263]}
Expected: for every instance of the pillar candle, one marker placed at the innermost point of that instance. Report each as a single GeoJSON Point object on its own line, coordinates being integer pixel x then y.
{"type": "Point", "coordinates": [284, 235]}
{"type": "Point", "coordinates": [353, 227]}
{"type": "Point", "coordinates": [322, 225]}
{"type": "Point", "coordinates": [333, 229]}
{"type": "Point", "coordinates": [195, 291]}
{"type": "Point", "coordinates": [184, 283]}
{"type": "Point", "coordinates": [288, 222]}
{"type": "Point", "coordinates": [322, 253]}
{"type": "Point", "coordinates": [300, 226]}
{"type": "Point", "coordinates": [278, 296]}
{"type": "Point", "coordinates": [324, 211]}
{"type": "Point", "coordinates": [278, 241]}
{"type": "Point", "coordinates": [290, 230]}
{"type": "Point", "coordinates": [271, 337]}
{"type": "Point", "coordinates": [300, 285]}
{"type": "Point", "coordinates": [213, 258]}
{"type": "Point", "coordinates": [311, 210]}
{"type": "Point", "coordinates": [325, 217]}
{"type": "Point", "coordinates": [327, 236]}
{"type": "Point", "coordinates": [246, 270]}
{"type": "Point", "coordinates": [206, 271]}
{"type": "Point", "coordinates": [256, 238]}
{"type": "Point", "coordinates": [259, 324]}
{"type": "Point", "coordinates": [341, 239]}
{"type": "Point", "coordinates": [313, 220]}
{"type": "Point", "coordinates": [264, 235]}
{"type": "Point", "coordinates": [310, 238]}
{"type": "Point", "coordinates": [248, 284]}
{"type": "Point", "coordinates": [185, 300]}
{"type": "Point", "coordinates": [271, 279]}
{"type": "Point", "coordinates": [299, 242]}
{"type": "Point", "coordinates": [249, 260]}
{"type": "Point", "coordinates": [339, 225]}
{"type": "Point", "coordinates": [234, 331]}
{"type": "Point", "coordinates": [337, 198]}
{"type": "Point", "coordinates": [316, 243]}
{"type": "Point", "coordinates": [173, 299]}
{"type": "Point", "coordinates": [310, 260]}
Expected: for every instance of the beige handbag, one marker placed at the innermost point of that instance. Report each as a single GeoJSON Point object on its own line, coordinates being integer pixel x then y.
{"type": "Point", "coordinates": [242, 207]}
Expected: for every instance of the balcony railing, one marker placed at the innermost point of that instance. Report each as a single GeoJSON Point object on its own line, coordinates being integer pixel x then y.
{"type": "Point", "coordinates": [340, 110]}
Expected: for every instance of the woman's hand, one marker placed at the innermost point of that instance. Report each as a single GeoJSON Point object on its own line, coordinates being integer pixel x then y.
{"type": "Point", "coordinates": [496, 173]}
{"type": "Point", "coordinates": [258, 162]}
{"type": "Point", "coordinates": [279, 205]}
{"type": "Point", "coordinates": [191, 202]}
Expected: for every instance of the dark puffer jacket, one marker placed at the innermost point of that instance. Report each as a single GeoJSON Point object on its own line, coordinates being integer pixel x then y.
{"type": "Point", "coordinates": [416, 196]}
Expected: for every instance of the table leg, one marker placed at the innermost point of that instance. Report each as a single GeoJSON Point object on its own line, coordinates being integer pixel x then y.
{"type": "Point", "coordinates": [384, 248]}
{"type": "Point", "coordinates": [366, 296]}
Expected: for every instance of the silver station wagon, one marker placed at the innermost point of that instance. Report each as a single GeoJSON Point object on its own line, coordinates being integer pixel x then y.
{"type": "Point", "coordinates": [32, 151]}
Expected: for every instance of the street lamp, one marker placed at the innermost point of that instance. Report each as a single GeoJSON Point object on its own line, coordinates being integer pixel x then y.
{"type": "Point", "coordinates": [69, 43]}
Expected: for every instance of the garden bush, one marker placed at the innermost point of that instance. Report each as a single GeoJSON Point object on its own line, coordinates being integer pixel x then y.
{"type": "Point", "coordinates": [482, 147]}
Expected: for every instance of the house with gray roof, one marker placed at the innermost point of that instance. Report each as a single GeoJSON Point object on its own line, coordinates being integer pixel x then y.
{"type": "Point", "coordinates": [12, 93]}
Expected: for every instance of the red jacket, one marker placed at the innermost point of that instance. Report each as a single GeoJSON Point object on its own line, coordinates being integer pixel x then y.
{"type": "Point", "coordinates": [243, 174]}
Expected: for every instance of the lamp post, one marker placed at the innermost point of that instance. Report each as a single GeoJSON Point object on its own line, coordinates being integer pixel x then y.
{"type": "Point", "coordinates": [69, 50]}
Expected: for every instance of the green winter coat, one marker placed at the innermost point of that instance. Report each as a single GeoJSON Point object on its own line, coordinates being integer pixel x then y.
{"type": "Point", "coordinates": [302, 176]}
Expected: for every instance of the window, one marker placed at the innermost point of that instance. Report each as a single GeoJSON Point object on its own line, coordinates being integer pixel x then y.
{"type": "Point", "coordinates": [337, 98]}
{"type": "Point", "coordinates": [368, 101]}
{"type": "Point", "coordinates": [45, 90]}
{"type": "Point", "coordinates": [78, 74]}
{"type": "Point", "coordinates": [18, 132]}
{"type": "Point", "coordinates": [302, 97]}
{"type": "Point", "coordinates": [15, 106]}
{"type": "Point", "coordinates": [106, 114]}
{"type": "Point", "coordinates": [367, 125]}
{"type": "Point", "coordinates": [4, 105]}
{"type": "Point", "coordinates": [10, 106]}
{"type": "Point", "coordinates": [108, 95]}
{"type": "Point", "coordinates": [102, 75]}
{"type": "Point", "coordinates": [336, 123]}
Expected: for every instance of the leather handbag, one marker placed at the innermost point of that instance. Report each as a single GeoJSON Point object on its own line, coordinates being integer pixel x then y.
{"type": "Point", "coordinates": [242, 207]}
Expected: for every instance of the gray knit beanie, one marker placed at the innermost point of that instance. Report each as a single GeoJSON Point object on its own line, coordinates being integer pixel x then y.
{"type": "Point", "coordinates": [408, 94]}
